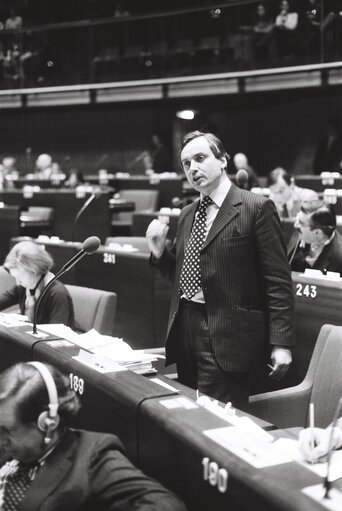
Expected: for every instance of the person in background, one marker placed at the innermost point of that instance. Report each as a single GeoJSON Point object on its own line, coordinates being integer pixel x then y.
{"type": "Point", "coordinates": [321, 441]}
{"type": "Point", "coordinates": [44, 168]}
{"type": "Point", "coordinates": [286, 24]}
{"type": "Point", "coordinates": [13, 22]}
{"type": "Point", "coordinates": [318, 244]}
{"type": "Point", "coordinates": [328, 155]}
{"type": "Point", "coordinates": [51, 466]}
{"type": "Point", "coordinates": [30, 264]}
{"type": "Point", "coordinates": [288, 197]}
{"type": "Point", "coordinates": [241, 163]}
{"type": "Point", "coordinates": [232, 295]}
{"type": "Point", "coordinates": [160, 155]}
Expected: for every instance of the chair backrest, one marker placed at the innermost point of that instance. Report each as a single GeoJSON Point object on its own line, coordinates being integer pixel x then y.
{"type": "Point", "coordinates": [144, 200]}
{"type": "Point", "coordinates": [93, 308]}
{"type": "Point", "coordinates": [136, 241]}
{"type": "Point", "coordinates": [326, 370]}
{"type": "Point", "coordinates": [41, 213]}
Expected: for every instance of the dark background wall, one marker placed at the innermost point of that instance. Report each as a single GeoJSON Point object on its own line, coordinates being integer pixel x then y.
{"type": "Point", "coordinates": [273, 129]}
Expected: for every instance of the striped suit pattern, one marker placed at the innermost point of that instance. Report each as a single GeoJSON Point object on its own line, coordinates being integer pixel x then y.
{"type": "Point", "coordinates": [246, 281]}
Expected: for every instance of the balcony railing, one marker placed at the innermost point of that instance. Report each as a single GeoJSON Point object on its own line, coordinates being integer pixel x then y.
{"type": "Point", "coordinates": [214, 39]}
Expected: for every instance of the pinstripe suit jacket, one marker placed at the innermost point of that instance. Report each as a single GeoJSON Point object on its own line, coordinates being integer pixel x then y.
{"type": "Point", "coordinates": [246, 280]}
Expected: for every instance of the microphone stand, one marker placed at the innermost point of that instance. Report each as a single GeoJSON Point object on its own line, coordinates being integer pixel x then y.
{"type": "Point", "coordinates": [327, 483]}
{"type": "Point", "coordinates": [87, 203]}
{"type": "Point", "coordinates": [61, 272]}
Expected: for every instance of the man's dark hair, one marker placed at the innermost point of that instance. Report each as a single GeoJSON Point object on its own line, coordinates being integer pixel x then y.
{"type": "Point", "coordinates": [277, 173]}
{"type": "Point", "coordinates": [24, 384]}
{"type": "Point", "coordinates": [322, 216]}
{"type": "Point", "coordinates": [214, 142]}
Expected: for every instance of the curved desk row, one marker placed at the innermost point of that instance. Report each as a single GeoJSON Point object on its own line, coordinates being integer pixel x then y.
{"type": "Point", "coordinates": [169, 436]}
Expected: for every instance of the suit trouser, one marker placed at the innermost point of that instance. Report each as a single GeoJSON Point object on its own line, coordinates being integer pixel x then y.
{"type": "Point", "coordinates": [196, 363]}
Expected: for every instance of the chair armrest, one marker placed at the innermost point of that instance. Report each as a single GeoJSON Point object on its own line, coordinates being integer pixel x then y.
{"type": "Point", "coordinates": [284, 408]}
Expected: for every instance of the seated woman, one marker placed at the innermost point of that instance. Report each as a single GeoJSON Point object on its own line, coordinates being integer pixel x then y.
{"type": "Point", "coordinates": [30, 265]}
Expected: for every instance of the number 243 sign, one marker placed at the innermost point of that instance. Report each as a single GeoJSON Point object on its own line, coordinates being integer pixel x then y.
{"type": "Point", "coordinates": [306, 290]}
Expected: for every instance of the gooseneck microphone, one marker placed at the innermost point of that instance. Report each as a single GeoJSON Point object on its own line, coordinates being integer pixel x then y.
{"type": "Point", "coordinates": [327, 483]}
{"type": "Point", "coordinates": [95, 195]}
{"type": "Point", "coordinates": [242, 179]}
{"type": "Point", "coordinates": [90, 246]}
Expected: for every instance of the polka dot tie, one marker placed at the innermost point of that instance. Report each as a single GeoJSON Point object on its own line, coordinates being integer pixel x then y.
{"type": "Point", "coordinates": [191, 281]}
{"type": "Point", "coordinates": [15, 487]}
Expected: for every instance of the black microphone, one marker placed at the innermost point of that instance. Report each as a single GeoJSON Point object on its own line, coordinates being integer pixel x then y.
{"type": "Point", "coordinates": [327, 483]}
{"type": "Point", "coordinates": [295, 249]}
{"type": "Point", "coordinates": [90, 246]}
{"type": "Point", "coordinates": [242, 179]}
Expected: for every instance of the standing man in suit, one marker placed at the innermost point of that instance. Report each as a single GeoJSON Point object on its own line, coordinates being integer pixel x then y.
{"type": "Point", "coordinates": [51, 467]}
{"type": "Point", "coordinates": [232, 298]}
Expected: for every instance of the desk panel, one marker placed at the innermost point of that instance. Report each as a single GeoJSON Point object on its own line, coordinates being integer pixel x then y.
{"type": "Point", "coordinates": [168, 188]}
{"type": "Point", "coordinates": [143, 298]}
{"type": "Point", "coordinates": [172, 446]}
{"type": "Point", "coordinates": [16, 345]}
{"type": "Point", "coordinates": [110, 401]}
{"type": "Point", "coordinates": [317, 183]}
{"type": "Point", "coordinates": [95, 220]}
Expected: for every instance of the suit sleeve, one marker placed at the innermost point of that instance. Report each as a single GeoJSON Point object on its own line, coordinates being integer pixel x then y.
{"type": "Point", "coordinates": [276, 275]}
{"type": "Point", "coordinates": [118, 485]}
{"type": "Point", "coordinates": [9, 297]}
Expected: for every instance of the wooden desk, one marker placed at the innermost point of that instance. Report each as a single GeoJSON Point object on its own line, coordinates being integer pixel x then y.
{"type": "Point", "coordinates": [95, 220]}
{"type": "Point", "coordinates": [168, 188]}
{"type": "Point", "coordinates": [174, 448]}
{"type": "Point", "coordinates": [317, 183]}
{"type": "Point", "coordinates": [110, 401]}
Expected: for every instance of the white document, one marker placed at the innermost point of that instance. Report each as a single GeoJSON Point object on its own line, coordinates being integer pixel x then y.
{"type": "Point", "coordinates": [258, 453]}
{"type": "Point", "coordinates": [291, 446]}
{"type": "Point", "coordinates": [59, 330]}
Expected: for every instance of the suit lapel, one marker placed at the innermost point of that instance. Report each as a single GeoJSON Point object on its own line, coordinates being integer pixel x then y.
{"type": "Point", "coordinates": [226, 213]}
{"type": "Point", "coordinates": [189, 220]}
{"type": "Point", "coordinates": [50, 474]}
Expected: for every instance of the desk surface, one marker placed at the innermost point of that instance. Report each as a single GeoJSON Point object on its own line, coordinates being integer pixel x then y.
{"type": "Point", "coordinates": [166, 437]}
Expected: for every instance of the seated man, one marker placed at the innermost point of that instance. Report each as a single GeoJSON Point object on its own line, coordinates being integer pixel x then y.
{"type": "Point", "coordinates": [319, 244]}
{"type": "Point", "coordinates": [321, 441]}
{"type": "Point", "coordinates": [288, 197]}
{"type": "Point", "coordinates": [51, 466]}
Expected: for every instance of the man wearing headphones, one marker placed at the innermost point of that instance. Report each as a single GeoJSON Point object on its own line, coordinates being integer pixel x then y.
{"type": "Point", "coordinates": [50, 466]}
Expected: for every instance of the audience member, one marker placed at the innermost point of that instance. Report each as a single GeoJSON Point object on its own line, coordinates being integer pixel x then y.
{"type": "Point", "coordinates": [286, 24]}
{"type": "Point", "coordinates": [316, 447]}
{"type": "Point", "coordinates": [241, 163]}
{"type": "Point", "coordinates": [160, 155]}
{"type": "Point", "coordinates": [319, 244]}
{"type": "Point", "coordinates": [30, 265]}
{"type": "Point", "coordinates": [232, 289]}
{"type": "Point", "coordinates": [13, 22]}
{"type": "Point", "coordinates": [44, 169]}
{"type": "Point", "coordinates": [51, 466]}
{"type": "Point", "coordinates": [263, 31]}
{"type": "Point", "coordinates": [328, 156]}
{"type": "Point", "coordinates": [9, 165]}
{"type": "Point", "coordinates": [288, 197]}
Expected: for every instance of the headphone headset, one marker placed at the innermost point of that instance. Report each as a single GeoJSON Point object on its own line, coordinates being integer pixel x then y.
{"type": "Point", "coordinates": [48, 420]}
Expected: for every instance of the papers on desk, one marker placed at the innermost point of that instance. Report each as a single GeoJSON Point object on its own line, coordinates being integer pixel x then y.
{"type": "Point", "coordinates": [107, 353]}
{"type": "Point", "coordinates": [126, 247]}
{"type": "Point", "coordinates": [11, 319]}
{"type": "Point", "coordinates": [291, 447]}
{"type": "Point", "coordinates": [258, 453]}
{"type": "Point", "coordinates": [317, 492]}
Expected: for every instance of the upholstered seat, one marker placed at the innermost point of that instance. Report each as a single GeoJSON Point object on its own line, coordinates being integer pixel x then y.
{"type": "Point", "coordinates": [93, 308]}
{"type": "Point", "coordinates": [322, 385]}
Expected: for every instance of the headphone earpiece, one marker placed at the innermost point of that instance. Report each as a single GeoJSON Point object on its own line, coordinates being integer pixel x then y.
{"type": "Point", "coordinates": [49, 420]}
{"type": "Point", "coordinates": [45, 422]}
